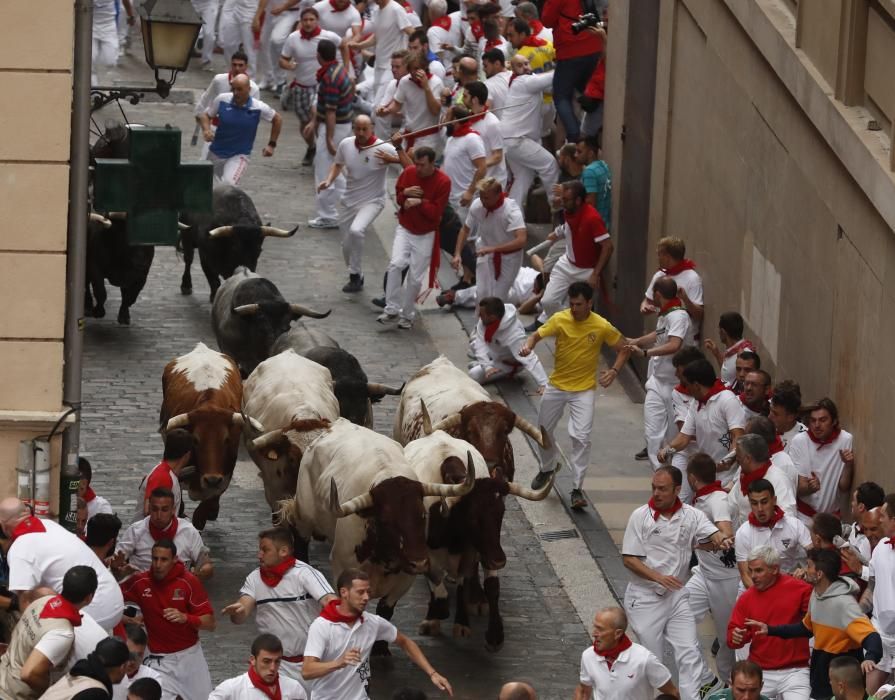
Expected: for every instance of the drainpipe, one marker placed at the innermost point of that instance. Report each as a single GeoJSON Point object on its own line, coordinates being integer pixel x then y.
{"type": "Point", "coordinates": [76, 258]}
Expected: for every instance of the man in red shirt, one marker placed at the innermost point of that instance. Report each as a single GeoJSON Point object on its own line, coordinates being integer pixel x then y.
{"type": "Point", "coordinates": [774, 599]}
{"type": "Point", "coordinates": [178, 454]}
{"type": "Point", "coordinates": [175, 607]}
{"type": "Point", "coordinates": [422, 193]}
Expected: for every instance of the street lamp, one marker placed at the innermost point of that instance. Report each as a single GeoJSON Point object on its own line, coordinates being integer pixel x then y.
{"type": "Point", "coordinates": [170, 29]}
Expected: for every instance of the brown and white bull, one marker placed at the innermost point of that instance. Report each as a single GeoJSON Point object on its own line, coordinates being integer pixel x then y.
{"type": "Point", "coordinates": [464, 532]}
{"type": "Point", "coordinates": [459, 405]}
{"type": "Point", "coordinates": [357, 491]}
{"type": "Point", "coordinates": [202, 393]}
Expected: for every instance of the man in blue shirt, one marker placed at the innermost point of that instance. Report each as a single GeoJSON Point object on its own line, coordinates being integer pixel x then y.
{"type": "Point", "coordinates": [238, 115]}
{"type": "Point", "coordinates": [596, 177]}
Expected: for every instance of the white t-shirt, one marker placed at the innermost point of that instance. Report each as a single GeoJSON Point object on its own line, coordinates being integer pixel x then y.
{"type": "Point", "coordinates": [636, 674]}
{"type": "Point", "coordinates": [218, 86]}
{"type": "Point", "coordinates": [787, 437]}
{"type": "Point", "coordinates": [826, 462]}
{"type": "Point", "coordinates": [98, 505]}
{"type": "Point", "coordinates": [783, 462]}
{"type": "Point", "coordinates": [498, 88]}
{"type": "Point", "coordinates": [691, 283]}
{"type": "Point", "coordinates": [414, 106]}
{"type": "Point", "coordinates": [523, 118]}
{"type": "Point", "coordinates": [459, 153]}
{"type": "Point", "coordinates": [327, 641]}
{"type": "Point", "coordinates": [388, 24]}
{"type": "Point", "coordinates": [729, 363]}
{"type": "Point", "coordinates": [680, 406]}
{"type": "Point", "coordinates": [674, 324]}
{"type": "Point", "coordinates": [288, 609]}
{"type": "Point", "coordinates": [439, 35]}
{"type": "Point", "coordinates": [715, 565]}
{"type": "Point", "coordinates": [136, 542]}
{"type": "Point", "coordinates": [665, 544]}
{"type": "Point", "coordinates": [789, 537]}
{"type": "Point", "coordinates": [56, 645]}
{"type": "Point", "coordinates": [786, 497]}
{"type": "Point", "coordinates": [43, 559]}
{"type": "Point", "coordinates": [492, 136]}
{"type": "Point", "coordinates": [711, 425]}
{"type": "Point", "coordinates": [241, 688]}
{"type": "Point", "coordinates": [882, 569]}
{"type": "Point", "coordinates": [304, 53]}
{"type": "Point", "coordinates": [338, 22]}
{"type": "Point", "coordinates": [119, 690]}
{"type": "Point", "coordinates": [87, 635]}
{"type": "Point", "coordinates": [496, 227]}
{"type": "Point", "coordinates": [364, 172]}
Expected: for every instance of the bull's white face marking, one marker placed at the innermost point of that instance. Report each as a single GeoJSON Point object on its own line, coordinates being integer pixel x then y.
{"type": "Point", "coordinates": [204, 368]}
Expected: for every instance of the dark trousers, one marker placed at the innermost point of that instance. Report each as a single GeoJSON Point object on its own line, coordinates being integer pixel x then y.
{"type": "Point", "coordinates": [571, 75]}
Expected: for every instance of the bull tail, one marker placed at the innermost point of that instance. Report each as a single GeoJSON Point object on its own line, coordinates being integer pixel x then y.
{"type": "Point", "coordinates": [286, 513]}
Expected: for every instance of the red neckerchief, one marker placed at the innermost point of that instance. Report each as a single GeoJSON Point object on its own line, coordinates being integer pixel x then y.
{"type": "Point", "coordinates": [259, 683]}
{"type": "Point", "coordinates": [325, 67]}
{"type": "Point", "coordinates": [707, 489]}
{"type": "Point", "coordinates": [58, 608]}
{"type": "Point", "coordinates": [536, 26]}
{"type": "Point", "coordinates": [476, 30]}
{"type": "Point", "coordinates": [668, 512]}
{"type": "Point", "coordinates": [746, 479]}
{"type": "Point", "coordinates": [331, 613]}
{"type": "Point", "coordinates": [463, 129]}
{"type": "Point", "coordinates": [891, 543]}
{"type": "Point", "coordinates": [360, 146]}
{"type": "Point", "coordinates": [408, 8]}
{"type": "Point", "coordinates": [738, 347]}
{"type": "Point", "coordinates": [492, 43]}
{"type": "Point", "coordinates": [716, 388]}
{"type": "Point", "coordinates": [513, 76]}
{"type": "Point", "coordinates": [332, 4]}
{"type": "Point", "coordinates": [742, 397]}
{"type": "Point", "coordinates": [443, 22]}
{"type": "Point", "coordinates": [89, 494]}
{"type": "Point", "coordinates": [829, 441]}
{"type": "Point", "coordinates": [417, 82]}
{"type": "Point", "coordinates": [776, 446]}
{"type": "Point", "coordinates": [177, 570]}
{"type": "Point", "coordinates": [678, 268]}
{"type": "Point", "coordinates": [272, 575]}
{"type": "Point", "coordinates": [671, 305]}
{"type": "Point", "coordinates": [27, 526]}
{"type": "Point", "coordinates": [682, 389]}
{"type": "Point", "coordinates": [308, 36]}
{"type": "Point", "coordinates": [166, 533]}
{"type": "Point", "coordinates": [775, 518]}
{"type": "Point", "coordinates": [611, 655]}
{"type": "Point", "coordinates": [534, 41]}
{"type": "Point", "coordinates": [491, 329]}
{"type": "Point", "coordinates": [500, 201]}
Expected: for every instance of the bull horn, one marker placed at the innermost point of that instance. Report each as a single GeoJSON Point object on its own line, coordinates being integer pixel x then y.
{"type": "Point", "coordinates": [117, 214]}
{"type": "Point", "coordinates": [365, 500]}
{"type": "Point", "coordinates": [427, 421]}
{"type": "Point", "coordinates": [299, 310]}
{"type": "Point", "coordinates": [247, 309]}
{"type": "Point", "coordinates": [240, 420]}
{"type": "Point", "coordinates": [100, 219]}
{"type": "Point", "coordinates": [278, 232]}
{"type": "Point", "coordinates": [445, 424]}
{"type": "Point", "coordinates": [181, 420]}
{"type": "Point", "coordinates": [220, 232]}
{"type": "Point", "coordinates": [530, 494]}
{"type": "Point", "coordinates": [453, 490]}
{"type": "Point", "coordinates": [383, 389]}
{"type": "Point", "coordinates": [182, 226]}
{"type": "Point", "coordinates": [445, 509]}
{"type": "Point", "coordinates": [262, 442]}
{"type": "Point", "coordinates": [529, 429]}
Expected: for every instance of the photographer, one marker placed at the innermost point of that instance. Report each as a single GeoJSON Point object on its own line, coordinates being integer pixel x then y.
{"type": "Point", "coordinates": [577, 54]}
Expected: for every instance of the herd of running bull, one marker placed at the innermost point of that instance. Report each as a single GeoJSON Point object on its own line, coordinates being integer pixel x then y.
{"type": "Point", "coordinates": [429, 500]}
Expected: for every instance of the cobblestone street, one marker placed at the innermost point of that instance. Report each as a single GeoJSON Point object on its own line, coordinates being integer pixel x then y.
{"type": "Point", "coordinates": [122, 395]}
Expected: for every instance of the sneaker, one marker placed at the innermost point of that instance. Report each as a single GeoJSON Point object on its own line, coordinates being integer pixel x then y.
{"type": "Point", "coordinates": [445, 299]}
{"type": "Point", "coordinates": [540, 480]}
{"type": "Point", "coordinates": [713, 686]}
{"type": "Point", "coordinates": [386, 318]}
{"type": "Point", "coordinates": [716, 647]}
{"type": "Point", "coordinates": [533, 326]}
{"type": "Point", "coordinates": [308, 160]}
{"type": "Point", "coordinates": [355, 283]}
{"type": "Point", "coordinates": [641, 456]}
{"type": "Point", "coordinates": [378, 301]}
{"type": "Point", "coordinates": [578, 499]}
{"type": "Point", "coordinates": [405, 324]}
{"type": "Point", "coordinates": [323, 222]}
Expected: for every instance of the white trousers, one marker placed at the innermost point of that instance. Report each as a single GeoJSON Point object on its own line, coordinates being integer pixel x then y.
{"type": "Point", "coordinates": [504, 371]}
{"type": "Point", "coordinates": [787, 684]}
{"type": "Point", "coordinates": [485, 283]}
{"type": "Point", "coordinates": [104, 52]}
{"type": "Point", "coordinates": [413, 251]}
{"type": "Point", "coordinates": [280, 29]}
{"type": "Point", "coordinates": [266, 59]}
{"type": "Point", "coordinates": [353, 225]}
{"type": "Point", "coordinates": [581, 421]}
{"type": "Point", "coordinates": [208, 11]}
{"type": "Point", "coordinates": [563, 274]}
{"type": "Point", "coordinates": [232, 33]}
{"type": "Point", "coordinates": [184, 673]}
{"type": "Point", "coordinates": [527, 158]}
{"type": "Point", "coordinates": [382, 73]}
{"type": "Point", "coordinates": [323, 160]}
{"type": "Point", "coordinates": [715, 596]}
{"type": "Point", "coordinates": [658, 419]}
{"type": "Point", "coordinates": [657, 619]}
{"type": "Point", "coordinates": [229, 170]}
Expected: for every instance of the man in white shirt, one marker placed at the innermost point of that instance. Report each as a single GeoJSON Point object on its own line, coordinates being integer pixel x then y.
{"type": "Point", "coordinates": [500, 232]}
{"type": "Point", "coordinates": [681, 401]}
{"type": "Point", "coordinates": [786, 404]}
{"type": "Point", "coordinates": [337, 16]}
{"type": "Point", "coordinates": [486, 123]}
{"type": "Point", "coordinates": [659, 347]}
{"type": "Point", "coordinates": [134, 549]}
{"type": "Point", "coordinates": [882, 573]}
{"type": "Point", "coordinates": [615, 668]}
{"type": "Point", "coordinates": [769, 525]}
{"type": "Point", "coordinates": [220, 83]}
{"type": "Point", "coordinates": [659, 540]}
{"type": "Point", "coordinates": [134, 670]}
{"type": "Point", "coordinates": [730, 332]}
{"type": "Point", "coordinates": [263, 679]}
{"type": "Point", "coordinates": [389, 123]}
{"type": "Point", "coordinates": [418, 43]}
{"type": "Point", "coordinates": [754, 396]}
{"type": "Point", "coordinates": [674, 263]}
{"type": "Point", "coordinates": [283, 15]}
{"type": "Point", "coordinates": [286, 596]}
{"type": "Point", "coordinates": [178, 453]}
{"type": "Point", "coordinates": [95, 504]}
{"type": "Point", "coordinates": [390, 29]}
{"type": "Point", "coordinates": [521, 124]}
{"type": "Point", "coordinates": [529, 12]}
{"type": "Point", "coordinates": [865, 498]}
{"type": "Point", "coordinates": [465, 159]}
{"type": "Point", "coordinates": [416, 97]}
{"type": "Point", "coordinates": [499, 336]}
{"type": "Point", "coordinates": [825, 461]}
{"type": "Point", "coordinates": [446, 32]}
{"type": "Point", "coordinates": [337, 654]}
{"type": "Point", "coordinates": [358, 157]}
{"type": "Point", "coordinates": [497, 78]}
{"type": "Point", "coordinates": [753, 456]}
{"type": "Point", "coordinates": [779, 457]}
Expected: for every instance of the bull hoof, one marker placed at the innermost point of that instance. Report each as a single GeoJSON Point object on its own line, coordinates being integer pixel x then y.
{"type": "Point", "coordinates": [124, 317]}
{"type": "Point", "coordinates": [380, 648]}
{"type": "Point", "coordinates": [494, 639]}
{"type": "Point", "coordinates": [430, 628]}
{"type": "Point", "coordinates": [198, 521]}
{"type": "Point", "coordinates": [186, 289]}
{"type": "Point", "coordinates": [462, 631]}
{"type": "Point", "coordinates": [98, 311]}
{"type": "Point", "coordinates": [493, 648]}
{"type": "Point", "coordinates": [439, 609]}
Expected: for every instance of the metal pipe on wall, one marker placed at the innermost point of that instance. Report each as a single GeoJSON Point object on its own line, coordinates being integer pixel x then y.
{"type": "Point", "coordinates": [76, 257]}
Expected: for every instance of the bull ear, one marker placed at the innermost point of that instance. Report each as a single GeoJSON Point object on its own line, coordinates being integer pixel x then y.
{"type": "Point", "coordinates": [453, 471]}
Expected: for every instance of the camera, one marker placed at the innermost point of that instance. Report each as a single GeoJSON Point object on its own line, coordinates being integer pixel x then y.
{"type": "Point", "coordinates": [586, 20]}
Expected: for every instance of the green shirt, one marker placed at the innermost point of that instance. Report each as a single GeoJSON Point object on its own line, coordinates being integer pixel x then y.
{"type": "Point", "coordinates": [727, 694]}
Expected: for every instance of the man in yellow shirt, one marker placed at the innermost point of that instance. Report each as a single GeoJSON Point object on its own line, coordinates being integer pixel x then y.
{"type": "Point", "coordinates": [580, 334]}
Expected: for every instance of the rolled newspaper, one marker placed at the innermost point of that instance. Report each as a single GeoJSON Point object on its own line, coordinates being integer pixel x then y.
{"type": "Point", "coordinates": [535, 249]}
